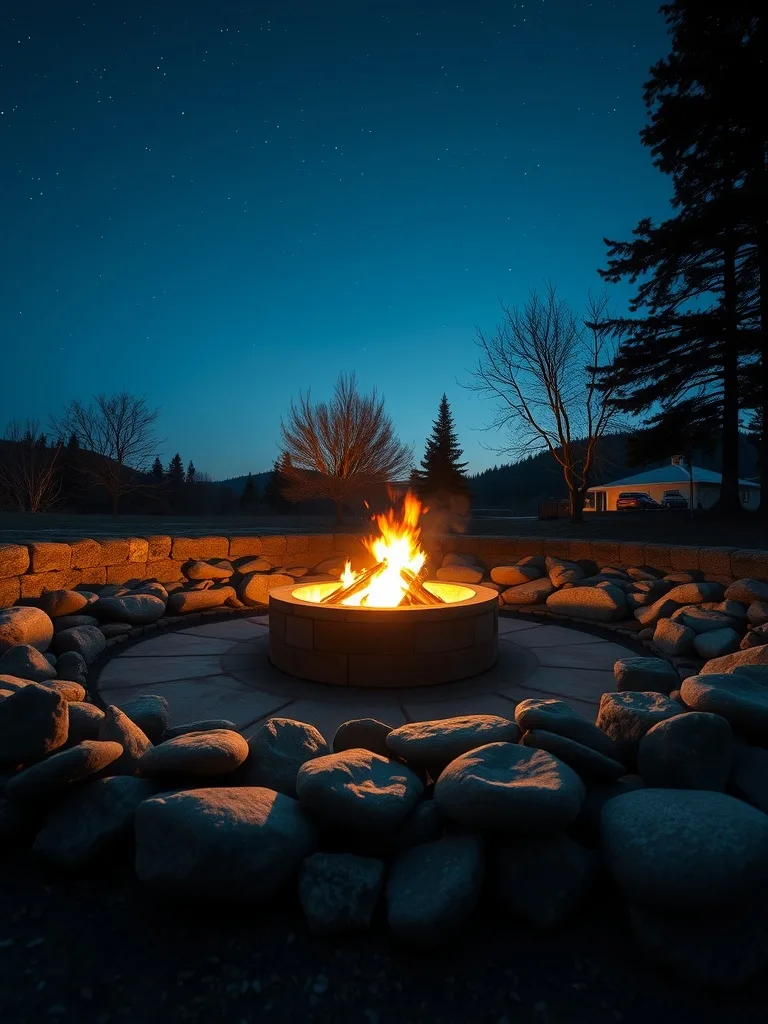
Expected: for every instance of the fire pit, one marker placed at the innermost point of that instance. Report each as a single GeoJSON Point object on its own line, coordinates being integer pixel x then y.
{"type": "Point", "coordinates": [387, 625]}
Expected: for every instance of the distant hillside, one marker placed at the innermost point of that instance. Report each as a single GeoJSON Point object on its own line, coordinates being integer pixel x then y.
{"type": "Point", "coordinates": [237, 483]}
{"type": "Point", "coordinates": [521, 486]}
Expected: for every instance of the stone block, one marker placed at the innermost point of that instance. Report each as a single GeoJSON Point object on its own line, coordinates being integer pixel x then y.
{"type": "Point", "coordinates": [749, 564]}
{"type": "Point", "coordinates": [372, 637]}
{"type": "Point", "coordinates": [579, 549]}
{"type": "Point", "coordinates": [715, 561]}
{"type": "Point", "coordinates": [95, 576]}
{"type": "Point", "coordinates": [126, 571]}
{"type": "Point", "coordinates": [138, 549]}
{"type": "Point", "coordinates": [486, 627]}
{"type": "Point", "coordinates": [558, 547]}
{"type": "Point", "coordinates": [684, 556]}
{"type": "Point", "coordinates": [278, 624]}
{"type": "Point", "coordinates": [114, 550]}
{"type": "Point", "coordinates": [183, 548]}
{"type": "Point", "coordinates": [299, 632]}
{"type": "Point", "coordinates": [34, 583]}
{"type": "Point", "coordinates": [14, 560]}
{"type": "Point", "coordinates": [318, 666]}
{"type": "Point", "coordinates": [631, 553]}
{"type": "Point", "coordinates": [241, 546]}
{"type": "Point", "coordinates": [605, 552]}
{"type": "Point", "coordinates": [448, 635]}
{"type": "Point", "coordinates": [274, 548]}
{"type": "Point", "coordinates": [158, 546]}
{"type": "Point", "coordinates": [50, 557]}
{"type": "Point", "coordinates": [167, 570]}
{"type": "Point", "coordinates": [85, 553]}
{"type": "Point", "coordinates": [10, 590]}
{"type": "Point", "coordinates": [529, 546]}
{"type": "Point", "coordinates": [659, 556]}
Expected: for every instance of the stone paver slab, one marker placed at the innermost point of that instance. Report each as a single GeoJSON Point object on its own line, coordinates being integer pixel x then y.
{"type": "Point", "coordinates": [552, 636]}
{"type": "Point", "coordinates": [235, 629]}
{"type": "Point", "coordinates": [571, 683]}
{"type": "Point", "coordinates": [179, 643]}
{"type": "Point", "coordinates": [148, 671]}
{"type": "Point", "coordinates": [600, 656]}
{"type": "Point", "coordinates": [515, 625]}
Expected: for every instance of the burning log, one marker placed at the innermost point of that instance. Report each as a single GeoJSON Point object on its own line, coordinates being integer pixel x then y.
{"type": "Point", "coordinates": [417, 590]}
{"type": "Point", "coordinates": [362, 581]}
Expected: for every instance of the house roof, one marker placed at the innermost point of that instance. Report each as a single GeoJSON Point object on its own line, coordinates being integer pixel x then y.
{"type": "Point", "coordinates": [671, 475]}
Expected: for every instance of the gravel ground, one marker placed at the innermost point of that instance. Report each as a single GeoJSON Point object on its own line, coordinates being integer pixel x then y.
{"type": "Point", "coordinates": [99, 950]}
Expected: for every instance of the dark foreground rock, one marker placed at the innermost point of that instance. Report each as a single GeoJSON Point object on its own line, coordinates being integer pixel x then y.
{"type": "Point", "coordinates": [543, 879]}
{"type": "Point", "coordinates": [433, 744]}
{"type": "Point", "coordinates": [693, 750]}
{"type": "Point", "coordinates": [627, 716]}
{"type": "Point", "coordinates": [51, 778]}
{"type": "Point", "coordinates": [277, 751]}
{"type": "Point", "coordinates": [33, 722]}
{"type": "Point", "coordinates": [339, 891]}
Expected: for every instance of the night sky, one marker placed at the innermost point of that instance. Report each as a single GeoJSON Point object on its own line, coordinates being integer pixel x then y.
{"type": "Point", "coordinates": [217, 204]}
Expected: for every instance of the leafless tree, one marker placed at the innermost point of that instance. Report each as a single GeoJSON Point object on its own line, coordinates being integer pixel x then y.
{"type": "Point", "coordinates": [541, 368]}
{"type": "Point", "coordinates": [340, 448]}
{"type": "Point", "coordinates": [30, 474]}
{"type": "Point", "coordinates": [119, 429]}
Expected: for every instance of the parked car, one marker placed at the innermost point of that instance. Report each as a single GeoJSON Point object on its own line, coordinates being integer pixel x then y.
{"type": "Point", "coordinates": [635, 500]}
{"type": "Point", "coordinates": [673, 499]}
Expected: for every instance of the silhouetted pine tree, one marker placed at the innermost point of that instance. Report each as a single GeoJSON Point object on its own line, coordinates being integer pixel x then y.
{"type": "Point", "coordinates": [73, 443]}
{"type": "Point", "coordinates": [175, 472]}
{"type": "Point", "coordinates": [191, 472]}
{"type": "Point", "coordinates": [699, 268]}
{"type": "Point", "coordinates": [158, 473]}
{"type": "Point", "coordinates": [273, 491]}
{"type": "Point", "coordinates": [441, 471]}
{"type": "Point", "coordinates": [249, 498]}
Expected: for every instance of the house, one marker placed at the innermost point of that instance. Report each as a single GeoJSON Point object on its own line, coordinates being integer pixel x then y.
{"type": "Point", "coordinates": [704, 483]}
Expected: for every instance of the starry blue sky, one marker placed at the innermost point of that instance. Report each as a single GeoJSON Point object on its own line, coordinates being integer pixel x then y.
{"type": "Point", "coordinates": [217, 204]}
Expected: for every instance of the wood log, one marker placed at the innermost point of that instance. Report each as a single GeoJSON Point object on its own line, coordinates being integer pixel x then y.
{"type": "Point", "coordinates": [418, 590]}
{"type": "Point", "coordinates": [362, 581]}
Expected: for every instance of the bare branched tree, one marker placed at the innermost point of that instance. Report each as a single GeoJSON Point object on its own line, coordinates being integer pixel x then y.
{"type": "Point", "coordinates": [120, 429]}
{"type": "Point", "coordinates": [30, 474]}
{"type": "Point", "coordinates": [340, 448]}
{"type": "Point", "coordinates": [541, 369]}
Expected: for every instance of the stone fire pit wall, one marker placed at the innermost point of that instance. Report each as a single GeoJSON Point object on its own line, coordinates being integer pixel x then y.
{"type": "Point", "coordinates": [381, 647]}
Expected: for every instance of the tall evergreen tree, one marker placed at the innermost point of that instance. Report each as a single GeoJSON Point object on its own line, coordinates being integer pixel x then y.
{"type": "Point", "coordinates": [441, 471]}
{"type": "Point", "coordinates": [158, 473]}
{"type": "Point", "coordinates": [175, 472]}
{"type": "Point", "coordinates": [274, 495]}
{"type": "Point", "coordinates": [249, 498]}
{"type": "Point", "coordinates": [692, 346]}
{"type": "Point", "coordinates": [73, 443]}
{"type": "Point", "coordinates": [42, 441]}
{"type": "Point", "coordinates": [191, 471]}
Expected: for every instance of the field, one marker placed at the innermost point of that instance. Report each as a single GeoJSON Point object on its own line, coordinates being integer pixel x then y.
{"type": "Point", "coordinates": [641, 527]}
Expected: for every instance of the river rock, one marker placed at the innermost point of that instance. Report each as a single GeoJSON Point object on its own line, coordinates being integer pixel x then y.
{"type": "Point", "coordinates": [739, 699]}
{"type": "Point", "coordinates": [757, 613]}
{"type": "Point", "coordinates": [196, 754]}
{"type": "Point", "coordinates": [600, 604]}
{"type": "Point", "coordinates": [277, 750]}
{"type": "Point", "coordinates": [224, 845]}
{"type": "Point", "coordinates": [367, 733]}
{"type": "Point", "coordinates": [533, 592]}
{"type": "Point", "coordinates": [597, 797]}
{"type": "Point", "coordinates": [183, 602]}
{"type": "Point", "coordinates": [693, 750]}
{"type": "Point", "coordinates": [757, 637]}
{"type": "Point", "coordinates": [64, 602]}
{"type": "Point", "coordinates": [339, 891]}
{"type": "Point", "coordinates": [92, 821]}
{"type": "Point", "coordinates": [730, 662]}
{"type": "Point", "coordinates": [543, 879]}
{"type": "Point", "coordinates": [434, 743]}
{"type": "Point", "coordinates": [423, 825]}
{"type": "Point", "coordinates": [84, 722]}
{"type": "Point", "coordinates": [509, 788]}
{"type": "Point", "coordinates": [34, 721]}
{"type": "Point", "coordinates": [747, 590]}
{"type": "Point", "coordinates": [88, 641]}
{"type": "Point", "coordinates": [254, 588]}
{"type": "Point", "coordinates": [514, 575]}
{"type": "Point", "coordinates": [588, 763]}
{"type": "Point", "coordinates": [150, 713]}
{"type": "Point", "coordinates": [661, 609]}
{"type": "Point", "coordinates": [716, 643]}
{"type": "Point", "coordinates": [23, 624]}
{"type": "Point", "coordinates": [695, 593]}
{"type": "Point", "coordinates": [248, 565]}
{"type": "Point", "coordinates": [563, 572]}
{"type": "Point", "coordinates": [50, 778]}
{"type": "Point", "coordinates": [627, 716]}
{"type": "Point", "coordinates": [112, 629]}
{"type": "Point", "coordinates": [69, 689]}
{"type": "Point", "coordinates": [27, 662]}
{"type": "Point", "coordinates": [673, 637]}
{"type": "Point", "coordinates": [207, 570]}
{"type": "Point", "coordinates": [135, 609]}
{"type": "Point", "coordinates": [460, 574]}
{"type": "Point", "coordinates": [686, 850]}
{"type": "Point", "coordinates": [433, 889]}
{"type": "Point", "coordinates": [358, 790]}
{"type": "Point", "coordinates": [203, 725]}
{"type": "Point", "coordinates": [556, 716]}
{"type": "Point", "coordinates": [645, 674]}
{"type": "Point", "coordinates": [703, 620]}
{"type": "Point", "coordinates": [118, 727]}
{"type": "Point", "coordinates": [72, 665]}
{"type": "Point", "coordinates": [72, 621]}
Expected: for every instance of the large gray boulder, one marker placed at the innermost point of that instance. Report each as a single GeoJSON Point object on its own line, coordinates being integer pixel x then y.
{"type": "Point", "coordinates": [92, 821]}
{"type": "Point", "coordinates": [23, 624]}
{"type": "Point", "coordinates": [368, 733]}
{"type": "Point", "coordinates": [50, 778]}
{"type": "Point", "coordinates": [277, 750]}
{"type": "Point", "coordinates": [72, 665]}
{"type": "Point", "coordinates": [183, 602]}
{"type": "Point", "coordinates": [533, 592]}
{"type": "Point", "coordinates": [195, 754]}
{"type": "Point", "coordinates": [703, 620]}
{"type": "Point", "coordinates": [509, 788]}
{"type": "Point", "coordinates": [26, 662]}
{"type": "Point", "coordinates": [645, 674]}
{"type": "Point", "coordinates": [591, 765]}
{"type": "Point", "coordinates": [556, 716]}
{"type": "Point", "coordinates": [627, 716]}
{"type": "Point", "coordinates": [600, 604]}
{"type": "Point", "coordinates": [434, 743]}
{"type": "Point", "coordinates": [224, 845]}
{"type": "Point", "coordinates": [686, 850]}
{"type": "Point", "coordinates": [34, 721]}
{"type": "Point", "coordinates": [739, 699]}
{"type": "Point", "coordinates": [88, 641]}
{"type": "Point", "coordinates": [433, 889]}
{"type": "Point", "coordinates": [136, 609]}
{"type": "Point", "coordinates": [716, 643]}
{"type": "Point", "coordinates": [747, 590]}
{"type": "Point", "coordinates": [693, 750]}
{"type": "Point", "coordinates": [339, 891]}
{"type": "Point", "coordinates": [730, 662]}
{"type": "Point", "coordinates": [358, 790]}
{"type": "Point", "coordinates": [84, 722]}
{"type": "Point", "coordinates": [119, 728]}
{"type": "Point", "coordinates": [71, 621]}
{"type": "Point", "coordinates": [543, 879]}
{"type": "Point", "coordinates": [673, 637]}
{"type": "Point", "coordinates": [150, 713]}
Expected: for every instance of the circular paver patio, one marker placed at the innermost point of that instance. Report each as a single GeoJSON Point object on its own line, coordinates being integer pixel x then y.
{"type": "Point", "coordinates": [222, 670]}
